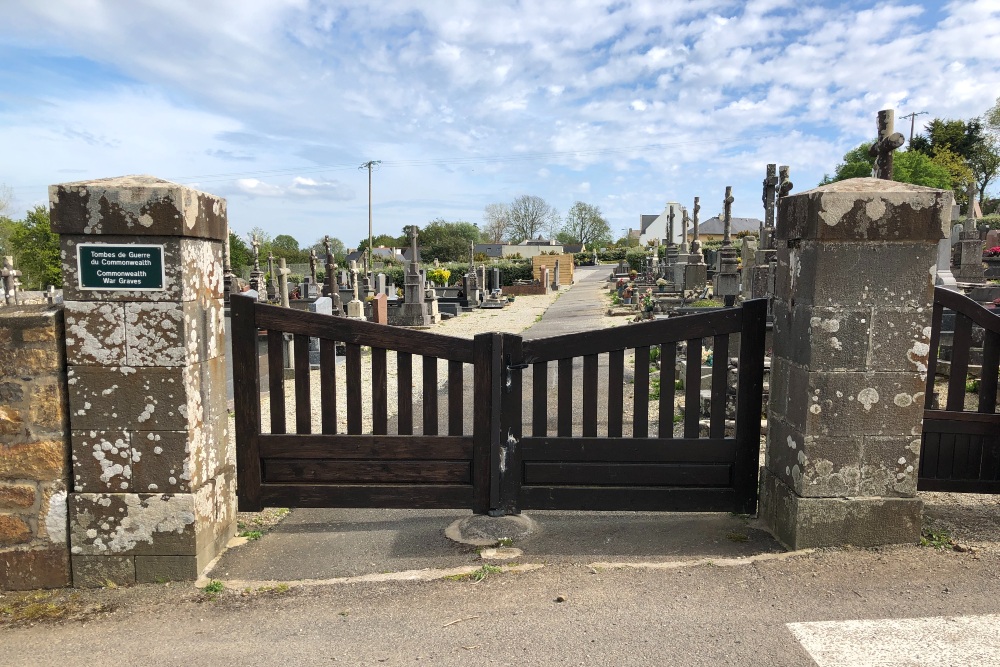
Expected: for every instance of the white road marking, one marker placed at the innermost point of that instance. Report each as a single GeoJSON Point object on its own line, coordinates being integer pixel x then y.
{"type": "Point", "coordinates": [945, 641]}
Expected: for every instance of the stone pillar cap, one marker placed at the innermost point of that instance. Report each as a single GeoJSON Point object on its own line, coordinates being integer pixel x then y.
{"type": "Point", "coordinates": [138, 205]}
{"type": "Point", "coordinates": [866, 209]}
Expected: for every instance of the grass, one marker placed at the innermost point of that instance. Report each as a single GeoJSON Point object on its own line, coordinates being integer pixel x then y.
{"type": "Point", "coordinates": [251, 534]}
{"type": "Point", "coordinates": [704, 303]}
{"type": "Point", "coordinates": [972, 386]}
{"type": "Point", "coordinates": [31, 609]}
{"type": "Point", "coordinates": [737, 537]}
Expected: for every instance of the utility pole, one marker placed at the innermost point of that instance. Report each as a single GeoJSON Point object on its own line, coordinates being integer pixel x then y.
{"type": "Point", "coordinates": [368, 165]}
{"type": "Point", "coordinates": [913, 118]}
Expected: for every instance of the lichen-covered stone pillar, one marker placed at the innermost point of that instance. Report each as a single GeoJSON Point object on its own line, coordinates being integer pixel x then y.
{"type": "Point", "coordinates": [153, 494]}
{"type": "Point", "coordinates": [856, 262]}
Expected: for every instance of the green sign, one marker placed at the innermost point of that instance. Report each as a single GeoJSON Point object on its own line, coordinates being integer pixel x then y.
{"type": "Point", "coordinates": [120, 267]}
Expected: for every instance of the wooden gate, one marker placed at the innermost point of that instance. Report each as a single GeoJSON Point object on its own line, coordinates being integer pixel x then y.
{"type": "Point", "coordinates": [342, 456]}
{"type": "Point", "coordinates": [960, 449]}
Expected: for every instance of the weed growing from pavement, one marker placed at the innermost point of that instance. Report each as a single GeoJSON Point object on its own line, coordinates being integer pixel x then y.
{"type": "Point", "coordinates": [737, 537]}
{"type": "Point", "coordinates": [505, 542]}
{"type": "Point", "coordinates": [215, 586]}
{"type": "Point", "coordinates": [251, 534]}
{"type": "Point", "coordinates": [939, 539]}
{"type": "Point", "coordinates": [478, 574]}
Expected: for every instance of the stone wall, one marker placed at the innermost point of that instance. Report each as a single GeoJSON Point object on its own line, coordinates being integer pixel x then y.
{"type": "Point", "coordinates": [34, 449]}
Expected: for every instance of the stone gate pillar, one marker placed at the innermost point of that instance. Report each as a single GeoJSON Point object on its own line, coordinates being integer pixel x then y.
{"type": "Point", "coordinates": [153, 494]}
{"type": "Point", "coordinates": [852, 316]}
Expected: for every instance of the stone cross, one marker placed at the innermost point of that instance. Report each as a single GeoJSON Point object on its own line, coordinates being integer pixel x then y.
{"type": "Point", "coordinates": [694, 231]}
{"type": "Point", "coordinates": [887, 142]}
{"type": "Point", "coordinates": [970, 207]}
{"type": "Point", "coordinates": [313, 261]}
{"type": "Point", "coordinates": [413, 245]}
{"type": "Point", "coordinates": [670, 239]}
{"type": "Point", "coordinates": [727, 220]}
{"type": "Point", "coordinates": [769, 197]}
{"type": "Point", "coordinates": [11, 283]}
{"type": "Point", "coordinates": [283, 272]}
{"type": "Point", "coordinates": [272, 283]}
{"type": "Point", "coordinates": [685, 221]}
{"type": "Point", "coordinates": [255, 244]}
{"type": "Point", "coordinates": [227, 271]}
{"type": "Point", "coordinates": [354, 280]}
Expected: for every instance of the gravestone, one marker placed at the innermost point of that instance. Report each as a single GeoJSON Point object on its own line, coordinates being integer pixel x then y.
{"type": "Point", "coordinates": [971, 269]}
{"type": "Point", "coordinates": [322, 306]}
{"type": "Point", "coordinates": [413, 311]}
{"type": "Point", "coordinates": [852, 318]}
{"type": "Point", "coordinates": [355, 307]}
{"type": "Point", "coordinates": [748, 254]}
{"type": "Point", "coordinates": [308, 289]}
{"type": "Point", "coordinates": [380, 310]}
{"type": "Point", "coordinates": [153, 493]}
{"type": "Point", "coordinates": [495, 278]}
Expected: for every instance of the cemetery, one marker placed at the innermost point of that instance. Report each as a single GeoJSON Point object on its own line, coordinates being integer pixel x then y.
{"type": "Point", "coordinates": [816, 371]}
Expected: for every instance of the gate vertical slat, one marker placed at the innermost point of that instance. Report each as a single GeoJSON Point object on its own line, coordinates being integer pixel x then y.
{"type": "Point", "coordinates": [540, 400]}
{"type": "Point", "coordinates": [303, 402]}
{"type": "Point", "coordinates": [590, 396]}
{"type": "Point", "coordinates": [328, 385]}
{"type": "Point", "coordinates": [988, 376]}
{"type": "Point", "coordinates": [404, 393]}
{"type": "Point", "coordinates": [959, 362]}
{"type": "Point", "coordinates": [430, 396]}
{"type": "Point", "coordinates": [353, 382]}
{"type": "Point", "coordinates": [749, 402]}
{"type": "Point", "coordinates": [616, 392]}
{"type": "Point", "coordinates": [936, 316]}
{"type": "Point", "coordinates": [564, 408]}
{"type": "Point", "coordinates": [640, 403]}
{"type": "Point", "coordinates": [929, 453]}
{"type": "Point", "coordinates": [720, 368]}
{"type": "Point", "coordinates": [668, 364]}
{"type": "Point", "coordinates": [380, 392]}
{"type": "Point", "coordinates": [511, 409]}
{"type": "Point", "coordinates": [483, 353]}
{"type": "Point", "coordinates": [276, 380]}
{"type": "Point", "coordinates": [246, 375]}
{"type": "Point", "coordinates": [456, 405]}
{"type": "Point", "coordinates": [946, 455]}
{"type": "Point", "coordinates": [692, 388]}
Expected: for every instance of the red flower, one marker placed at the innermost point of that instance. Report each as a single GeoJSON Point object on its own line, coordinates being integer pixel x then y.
{"type": "Point", "coordinates": [993, 252]}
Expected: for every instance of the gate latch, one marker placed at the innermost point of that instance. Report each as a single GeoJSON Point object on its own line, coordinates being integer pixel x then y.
{"type": "Point", "coordinates": [509, 382]}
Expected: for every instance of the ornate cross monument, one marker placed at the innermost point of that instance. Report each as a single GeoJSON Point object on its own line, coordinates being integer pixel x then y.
{"type": "Point", "coordinates": [696, 271]}
{"type": "Point", "coordinates": [313, 262]}
{"type": "Point", "coordinates": [971, 269]}
{"type": "Point", "coordinates": [769, 199]}
{"type": "Point", "coordinates": [255, 276]}
{"type": "Point", "coordinates": [414, 310]}
{"type": "Point", "coordinates": [727, 279]}
{"type": "Point", "coordinates": [885, 144]}
{"type": "Point", "coordinates": [272, 282]}
{"type": "Point", "coordinates": [11, 283]}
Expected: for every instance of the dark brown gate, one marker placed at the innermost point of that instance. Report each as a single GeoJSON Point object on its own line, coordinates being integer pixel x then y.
{"type": "Point", "coordinates": [486, 461]}
{"type": "Point", "coordinates": [960, 450]}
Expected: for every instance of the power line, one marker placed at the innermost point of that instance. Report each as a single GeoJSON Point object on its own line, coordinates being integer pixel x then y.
{"type": "Point", "coordinates": [368, 165]}
{"type": "Point", "coordinates": [913, 118]}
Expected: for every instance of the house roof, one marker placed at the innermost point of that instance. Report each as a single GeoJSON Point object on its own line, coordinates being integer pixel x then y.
{"type": "Point", "coordinates": [716, 226]}
{"type": "Point", "coordinates": [574, 247]}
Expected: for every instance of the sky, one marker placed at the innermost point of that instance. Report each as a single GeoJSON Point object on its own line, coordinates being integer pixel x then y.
{"type": "Point", "coordinates": [274, 104]}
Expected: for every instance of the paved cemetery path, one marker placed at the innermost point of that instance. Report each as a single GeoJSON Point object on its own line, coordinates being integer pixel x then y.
{"type": "Point", "coordinates": [578, 309]}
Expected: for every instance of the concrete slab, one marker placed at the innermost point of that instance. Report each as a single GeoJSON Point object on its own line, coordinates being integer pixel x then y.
{"type": "Point", "coordinates": [329, 543]}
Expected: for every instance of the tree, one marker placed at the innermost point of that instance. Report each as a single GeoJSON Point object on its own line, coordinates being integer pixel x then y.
{"type": "Point", "coordinates": [384, 240]}
{"type": "Point", "coordinates": [985, 163]}
{"type": "Point", "coordinates": [910, 166]}
{"type": "Point", "coordinates": [37, 250]}
{"type": "Point", "coordinates": [585, 224]}
{"type": "Point", "coordinates": [958, 136]}
{"type": "Point", "coordinates": [496, 223]}
{"type": "Point", "coordinates": [529, 215]}
{"type": "Point", "coordinates": [959, 171]}
{"type": "Point", "coordinates": [287, 246]}
{"type": "Point", "coordinates": [239, 253]}
{"type": "Point", "coordinates": [447, 241]}
{"type": "Point", "coordinates": [336, 247]}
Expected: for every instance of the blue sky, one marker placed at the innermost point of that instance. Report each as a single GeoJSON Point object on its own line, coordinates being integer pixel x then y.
{"type": "Point", "coordinates": [274, 104]}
